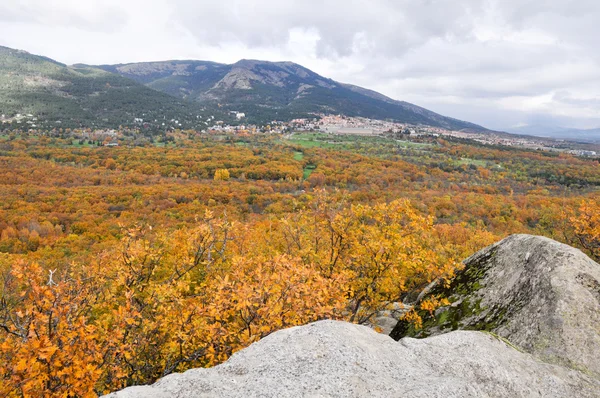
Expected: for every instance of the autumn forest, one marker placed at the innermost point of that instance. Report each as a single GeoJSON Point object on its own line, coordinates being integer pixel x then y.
{"type": "Point", "coordinates": [122, 264]}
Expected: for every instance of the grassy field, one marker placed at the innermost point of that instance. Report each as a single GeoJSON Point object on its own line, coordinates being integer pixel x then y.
{"type": "Point", "coordinates": [308, 170]}
{"type": "Point", "coordinates": [413, 145]}
{"type": "Point", "coordinates": [86, 144]}
{"type": "Point", "coordinates": [312, 140]}
{"type": "Point", "coordinates": [476, 162]}
{"type": "Point", "coordinates": [349, 141]}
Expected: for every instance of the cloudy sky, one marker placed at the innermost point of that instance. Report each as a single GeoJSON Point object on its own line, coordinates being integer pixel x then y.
{"type": "Point", "coordinates": [499, 63]}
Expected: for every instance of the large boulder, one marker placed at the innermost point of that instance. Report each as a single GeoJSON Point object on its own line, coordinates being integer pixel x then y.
{"type": "Point", "coordinates": [541, 295]}
{"type": "Point", "coordinates": [337, 359]}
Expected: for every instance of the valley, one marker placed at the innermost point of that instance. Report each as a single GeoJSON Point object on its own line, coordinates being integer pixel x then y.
{"type": "Point", "coordinates": [204, 233]}
{"type": "Point", "coordinates": [157, 217]}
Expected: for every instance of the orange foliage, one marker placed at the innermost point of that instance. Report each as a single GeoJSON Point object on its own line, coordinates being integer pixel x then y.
{"type": "Point", "coordinates": [91, 301]}
{"type": "Point", "coordinates": [586, 227]}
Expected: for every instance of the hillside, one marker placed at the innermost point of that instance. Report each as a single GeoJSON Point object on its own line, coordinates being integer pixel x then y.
{"type": "Point", "coordinates": [276, 90]}
{"type": "Point", "coordinates": [56, 95]}
{"type": "Point", "coordinates": [183, 93]}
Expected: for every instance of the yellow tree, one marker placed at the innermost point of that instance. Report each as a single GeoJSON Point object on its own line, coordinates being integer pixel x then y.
{"type": "Point", "coordinates": [384, 250]}
{"type": "Point", "coordinates": [586, 226]}
{"type": "Point", "coordinates": [221, 175]}
{"type": "Point", "coordinates": [49, 347]}
{"type": "Point", "coordinates": [262, 295]}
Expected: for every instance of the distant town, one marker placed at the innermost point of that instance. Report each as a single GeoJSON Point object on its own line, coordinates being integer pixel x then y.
{"type": "Point", "coordinates": [330, 124]}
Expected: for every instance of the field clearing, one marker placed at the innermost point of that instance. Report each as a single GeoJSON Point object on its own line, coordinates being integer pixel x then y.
{"type": "Point", "coordinates": [476, 162]}
{"type": "Point", "coordinates": [86, 144]}
{"type": "Point", "coordinates": [355, 142]}
{"type": "Point", "coordinates": [410, 144]}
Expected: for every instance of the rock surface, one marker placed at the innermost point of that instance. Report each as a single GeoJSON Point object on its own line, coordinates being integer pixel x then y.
{"type": "Point", "coordinates": [541, 295]}
{"type": "Point", "coordinates": [337, 359]}
{"type": "Point", "coordinates": [385, 321]}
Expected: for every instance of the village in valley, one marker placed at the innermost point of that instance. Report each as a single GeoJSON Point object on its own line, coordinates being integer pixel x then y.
{"type": "Point", "coordinates": [321, 123]}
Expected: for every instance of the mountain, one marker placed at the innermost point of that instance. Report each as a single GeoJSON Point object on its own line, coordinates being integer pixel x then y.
{"type": "Point", "coordinates": [275, 90]}
{"type": "Point", "coordinates": [557, 132]}
{"type": "Point", "coordinates": [41, 92]}
{"type": "Point", "coordinates": [57, 95]}
{"type": "Point", "coordinates": [586, 135]}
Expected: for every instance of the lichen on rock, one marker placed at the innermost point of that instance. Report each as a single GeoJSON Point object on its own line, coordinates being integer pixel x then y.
{"type": "Point", "coordinates": [541, 295]}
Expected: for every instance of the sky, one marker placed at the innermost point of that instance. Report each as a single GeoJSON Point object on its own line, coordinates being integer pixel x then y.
{"type": "Point", "coordinates": [499, 63]}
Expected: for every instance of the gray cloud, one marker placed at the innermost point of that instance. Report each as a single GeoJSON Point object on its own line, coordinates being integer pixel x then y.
{"type": "Point", "coordinates": [386, 26]}
{"type": "Point", "coordinates": [474, 59]}
{"type": "Point", "coordinates": [92, 15]}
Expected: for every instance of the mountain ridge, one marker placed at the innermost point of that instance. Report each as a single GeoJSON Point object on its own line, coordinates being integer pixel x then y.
{"type": "Point", "coordinates": [558, 132]}
{"type": "Point", "coordinates": [57, 95]}
{"type": "Point", "coordinates": [179, 92]}
{"type": "Point", "coordinates": [286, 88]}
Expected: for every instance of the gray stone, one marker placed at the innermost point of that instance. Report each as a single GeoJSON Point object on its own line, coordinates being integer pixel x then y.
{"type": "Point", "coordinates": [384, 321]}
{"type": "Point", "coordinates": [337, 359]}
{"type": "Point", "coordinates": [541, 295]}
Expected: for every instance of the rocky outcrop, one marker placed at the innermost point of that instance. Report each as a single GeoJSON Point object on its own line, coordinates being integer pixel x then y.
{"type": "Point", "coordinates": [541, 295]}
{"type": "Point", "coordinates": [337, 359]}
